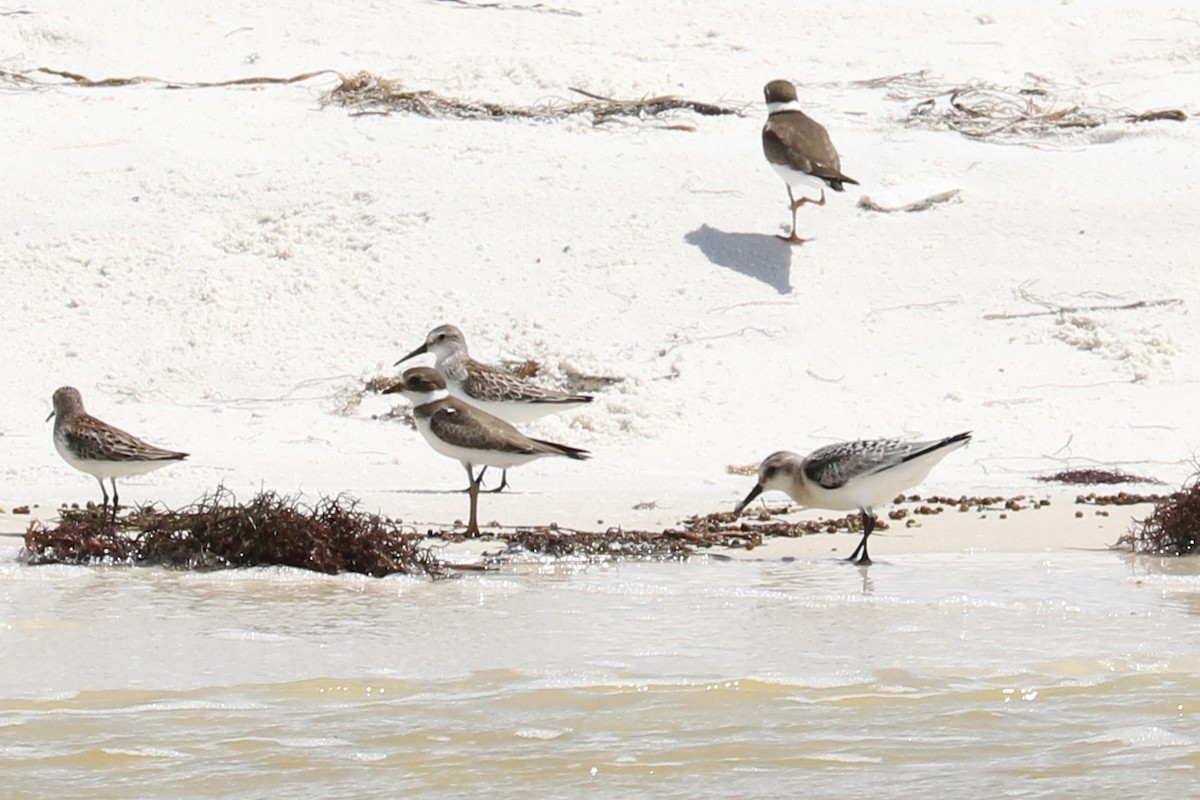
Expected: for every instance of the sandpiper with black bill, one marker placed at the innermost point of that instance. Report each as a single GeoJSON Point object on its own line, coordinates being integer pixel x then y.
{"type": "Point", "coordinates": [798, 147]}
{"type": "Point", "coordinates": [97, 448]}
{"type": "Point", "coordinates": [474, 437]}
{"type": "Point", "coordinates": [491, 389]}
{"type": "Point", "coordinates": [853, 475]}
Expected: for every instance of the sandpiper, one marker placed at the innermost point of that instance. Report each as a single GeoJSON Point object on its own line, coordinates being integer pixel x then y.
{"type": "Point", "coordinates": [97, 448]}
{"type": "Point", "coordinates": [798, 147]}
{"type": "Point", "coordinates": [852, 475]}
{"type": "Point", "coordinates": [491, 389]}
{"type": "Point", "coordinates": [461, 431]}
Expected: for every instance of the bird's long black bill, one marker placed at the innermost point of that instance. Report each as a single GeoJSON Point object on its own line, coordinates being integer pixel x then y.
{"type": "Point", "coordinates": [755, 492]}
{"type": "Point", "coordinates": [419, 351]}
{"type": "Point", "coordinates": [50, 417]}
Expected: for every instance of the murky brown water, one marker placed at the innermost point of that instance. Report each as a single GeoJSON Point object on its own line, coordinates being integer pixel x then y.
{"type": "Point", "coordinates": [1065, 675]}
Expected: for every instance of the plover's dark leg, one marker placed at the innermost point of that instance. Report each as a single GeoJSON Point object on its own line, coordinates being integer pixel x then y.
{"type": "Point", "coordinates": [473, 522]}
{"type": "Point", "coordinates": [103, 491]}
{"type": "Point", "coordinates": [503, 483]}
{"type": "Point", "coordinates": [868, 520]}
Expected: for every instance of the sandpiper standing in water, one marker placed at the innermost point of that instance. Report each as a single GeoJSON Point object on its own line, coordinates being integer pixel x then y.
{"type": "Point", "coordinates": [853, 475]}
{"type": "Point", "coordinates": [488, 388]}
{"type": "Point", "coordinates": [97, 448]}
{"type": "Point", "coordinates": [798, 147]}
{"type": "Point", "coordinates": [474, 437]}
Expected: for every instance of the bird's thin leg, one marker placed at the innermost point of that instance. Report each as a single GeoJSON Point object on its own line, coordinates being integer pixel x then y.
{"type": "Point", "coordinates": [473, 522]}
{"type": "Point", "coordinates": [468, 489]}
{"type": "Point", "coordinates": [503, 483]}
{"type": "Point", "coordinates": [868, 520]}
{"type": "Point", "coordinates": [113, 481]}
{"type": "Point", "coordinates": [103, 491]}
{"type": "Point", "coordinates": [795, 204]}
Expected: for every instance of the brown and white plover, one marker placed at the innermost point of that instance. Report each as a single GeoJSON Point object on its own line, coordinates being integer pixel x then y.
{"type": "Point", "coordinates": [852, 475]}
{"type": "Point", "coordinates": [474, 437]}
{"type": "Point", "coordinates": [799, 149]}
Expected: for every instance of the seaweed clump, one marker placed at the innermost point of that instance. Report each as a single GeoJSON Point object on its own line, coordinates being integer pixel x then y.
{"type": "Point", "coordinates": [1172, 529]}
{"type": "Point", "coordinates": [217, 532]}
{"type": "Point", "coordinates": [1092, 477]}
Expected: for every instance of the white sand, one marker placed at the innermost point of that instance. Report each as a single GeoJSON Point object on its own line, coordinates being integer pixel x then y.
{"type": "Point", "coordinates": [215, 269]}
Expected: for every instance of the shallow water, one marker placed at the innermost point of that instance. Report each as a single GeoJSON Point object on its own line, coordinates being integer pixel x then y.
{"type": "Point", "coordinates": [1072, 674]}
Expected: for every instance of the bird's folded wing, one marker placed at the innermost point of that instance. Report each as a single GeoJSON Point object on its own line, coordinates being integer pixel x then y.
{"type": "Point", "coordinates": [467, 430]}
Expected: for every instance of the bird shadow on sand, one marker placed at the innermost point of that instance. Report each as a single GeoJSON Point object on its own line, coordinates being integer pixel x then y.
{"type": "Point", "coordinates": [758, 255]}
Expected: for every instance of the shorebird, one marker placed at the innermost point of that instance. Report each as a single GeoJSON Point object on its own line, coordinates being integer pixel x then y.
{"type": "Point", "coordinates": [853, 475]}
{"type": "Point", "coordinates": [97, 448]}
{"type": "Point", "coordinates": [474, 437]}
{"type": "Point", "coordinates": [491, 389]}
{"type": "Point", "coordinates": [798, 147]}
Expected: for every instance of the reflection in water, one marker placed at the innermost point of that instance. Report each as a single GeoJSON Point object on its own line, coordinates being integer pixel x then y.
{"type": "Point", "coordinates": [989, 674]}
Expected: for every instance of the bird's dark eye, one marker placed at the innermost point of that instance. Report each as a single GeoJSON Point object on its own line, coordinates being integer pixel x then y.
{"type": "Point", "coordinates": [770, 472]}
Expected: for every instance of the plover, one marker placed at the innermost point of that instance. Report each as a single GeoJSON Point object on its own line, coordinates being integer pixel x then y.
{"type": "Point", "coordinates": [474, 437]}
{"type": "Point", "coordinates": [489, 388]}
{"type": "Point", "coordinates": [97, 448]}
{"type": "Point", "coordinates": [853, 475]}
{"type": "Point", "coordinates": [798, 147]}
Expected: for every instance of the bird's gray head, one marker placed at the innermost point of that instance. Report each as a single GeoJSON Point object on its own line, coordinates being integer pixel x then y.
{"type": "Point", "coordinates": [779, 91]}
{"type": "Point", "coordinates": [67, 401]}
{"type": "Point", "coordinates": [420, 385]}
{"type": "Point", "coordinates": [445, 340]}
{"type": "Point", "coordinates": [775, 472]}
{"type": "Point", "coordinates": [442, 341]}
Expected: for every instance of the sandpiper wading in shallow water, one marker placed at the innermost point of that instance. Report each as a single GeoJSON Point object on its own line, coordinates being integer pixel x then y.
{"type": "Point", "coordinates": [97, 448]}
{"type": "Point", "coordinates": [474, 437]}
{"type": "Point", "coordinates": [489, 388]}
{"type": "Point", "coordinates": [798, 147]}
{"type": "Point", "coordinates": [854, 475]}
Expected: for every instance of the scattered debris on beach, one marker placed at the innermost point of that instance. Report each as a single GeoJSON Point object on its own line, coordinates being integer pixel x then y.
{"type": "Point", "coordinates": [366, 93]}
{"type": "Point", "coordinates": [1039, 111]}
{"type": "Point", "coordinates": [1172, 529]}
{"type": "Point", "coordinates": [1118, 499]}
{"type": "Point", "coordinates": [334, 536]}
